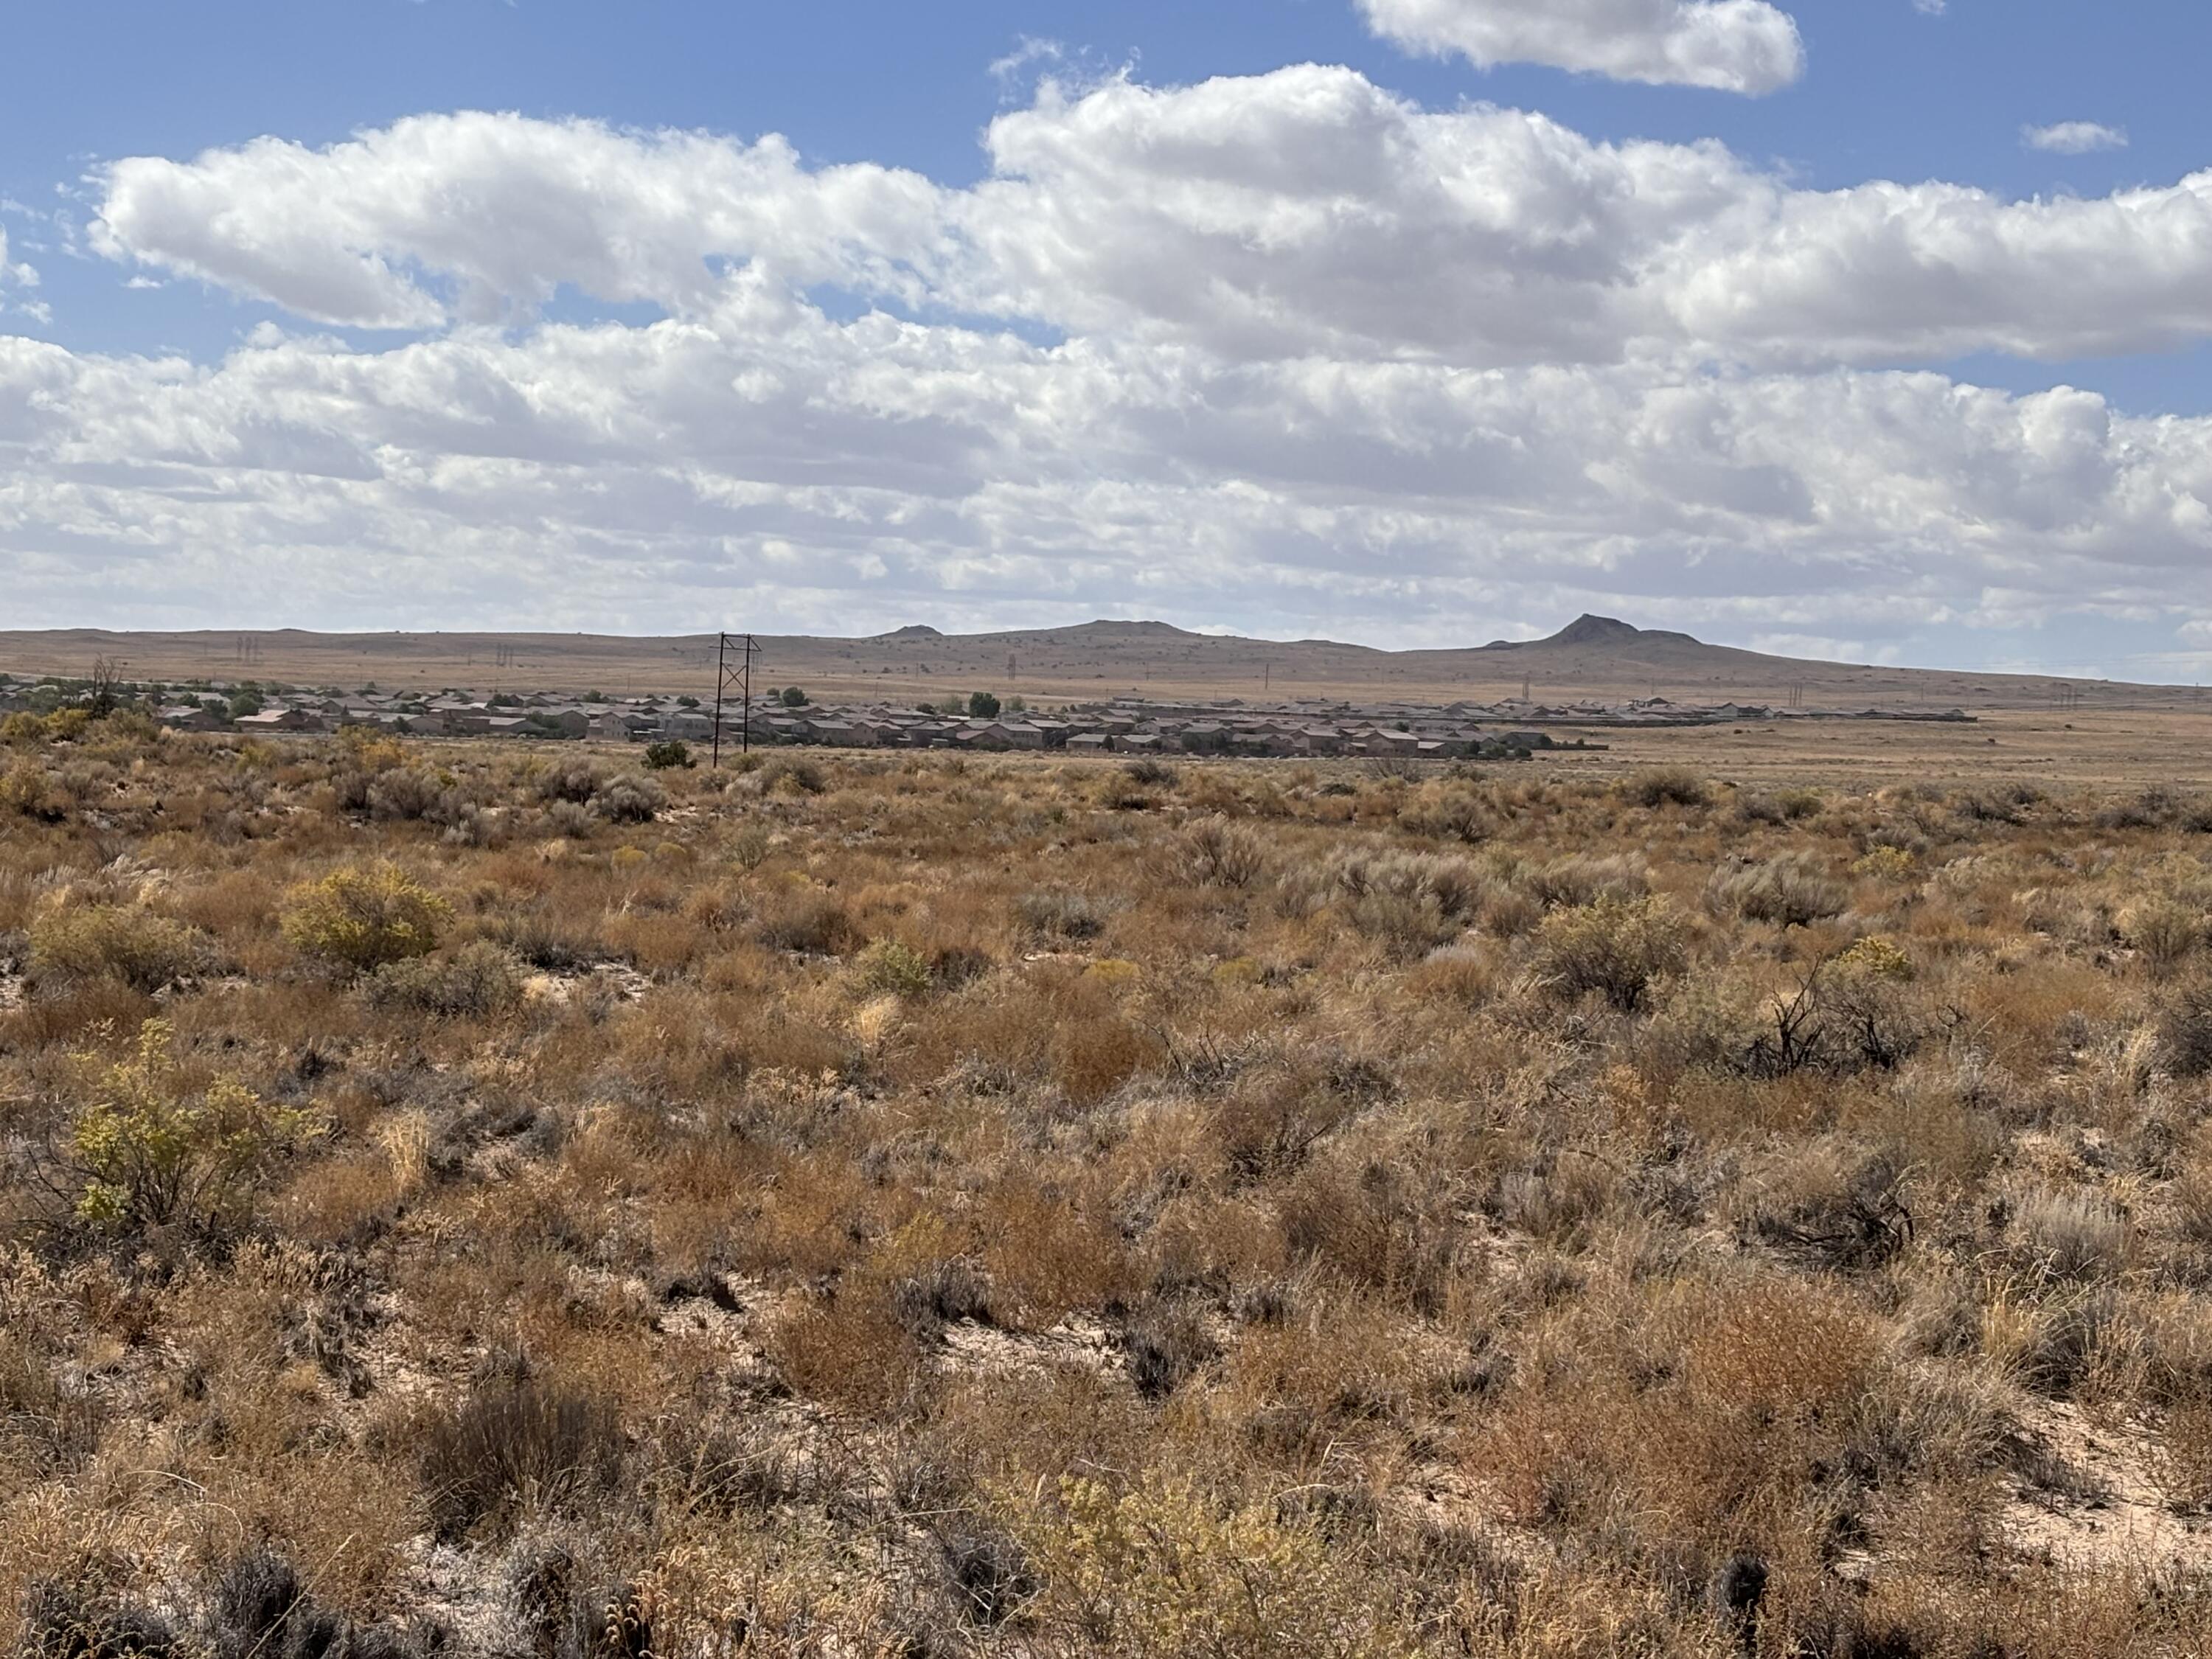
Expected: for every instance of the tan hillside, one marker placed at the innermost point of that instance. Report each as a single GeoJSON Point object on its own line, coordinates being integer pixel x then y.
{"type": "Point", "coordinates": [1593, 657]}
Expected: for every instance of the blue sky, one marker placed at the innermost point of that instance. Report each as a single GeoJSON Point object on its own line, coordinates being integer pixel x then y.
{"type": "Point", "coordinates": [1892, 92]}
{"type": "Point", "coordinates": [205, 392]}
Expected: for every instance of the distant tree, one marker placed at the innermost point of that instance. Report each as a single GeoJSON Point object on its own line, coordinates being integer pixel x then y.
{"type": "Point", "coordinates": [686, 702]}
{"type": "Point", "coordinates": [595, 697]}
{"type": "Point", "coordinates": [1017, 705]}
{"type": "Point", "coordinates": [982, 706]}
{"type": "Point", "coordinates": [660, 756]}
{"type": "Point", "coordinates": [100, 693]}
{"type": "Point", "coordinates": [793, 697]}
{"type": "Point", "coordinates": [244, 703]}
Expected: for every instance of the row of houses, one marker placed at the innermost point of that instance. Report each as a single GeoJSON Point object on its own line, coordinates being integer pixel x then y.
{"type": "Point", "coordinates": [1143, 729]}
{"type": "Point", "coordinates": [1126, 728]}
{"type": "Point", "coordinates": [1308, 727]}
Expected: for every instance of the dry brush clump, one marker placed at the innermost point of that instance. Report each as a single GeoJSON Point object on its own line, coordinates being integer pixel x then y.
{"type": "Point", "coordinates": [458, 1200]}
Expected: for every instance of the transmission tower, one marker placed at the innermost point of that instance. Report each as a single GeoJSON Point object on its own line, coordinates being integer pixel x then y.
{"type": "Point", "coordinates": [734, 665]}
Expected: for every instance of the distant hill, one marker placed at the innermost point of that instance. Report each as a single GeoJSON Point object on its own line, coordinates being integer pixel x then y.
{"type": "Point", "coordinates": [1599, 658]}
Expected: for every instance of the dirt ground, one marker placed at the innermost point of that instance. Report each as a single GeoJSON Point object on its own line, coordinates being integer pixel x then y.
{"type": "Point", "coordinates": [2133, 749]}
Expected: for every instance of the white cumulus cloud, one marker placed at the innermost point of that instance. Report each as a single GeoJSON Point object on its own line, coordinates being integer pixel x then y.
{"type": "Point", "coordinates": [1311, 209]}
{"type": "Point", "coordinates": [1283, 214]}
{"type": "Point", "coordinates": [1730, 46]}
{"type": "Point", "coordinates": [18, 276]}
{"type": "Point", "coordinates": [466, 215]}
{"type": "Point", "coordinates": [775, 464]}
{"type": "Point", "coordinates": [2073, 137]}
{"type": "Point", "coordinates": [1284, 349]}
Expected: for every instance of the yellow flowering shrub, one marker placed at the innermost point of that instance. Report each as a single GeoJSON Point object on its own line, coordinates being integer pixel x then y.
{"type": "Point", "coordinates": [364, 917]}
{"type": "Point", "coordinates": [148, 1148]}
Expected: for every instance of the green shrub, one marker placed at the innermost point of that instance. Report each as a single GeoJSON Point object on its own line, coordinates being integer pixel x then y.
{"type": "Point", "coordinates": [1448, 815]}
{"type": "Point", "coordinates": [1406, 925]}
{"type": "Point", "coordinates": [630, 797]}
{"type": "Point", "coordinates": [119, 942]}
{"type": "Point", "coordinates": [898, 970]}
{"type": "Point", "coordinates": [2166, 931]}
{"type": "Point", "coordinates": [1785, 807]}
{"type": "Point", "coordinates": [1658, 785]}
{"type": "Point", "coordinates": [1885, 863]}
{"type": "Point", "coordinates": [1876, 958]}
{"type": "Point", "coordinates": [1792, 890]}
{"type": "Point", "coordinates": [363, 917]}
{"type": "Point", "coordinates": [27, 789]}
{"type": "Point", "coordinates": [1580, 878]}
{"type": "Point", "coordinates": [750, 848]}
{"type": "Point", "coordinates": [406, 793]}
{"type": "Point", "coordinates": [477, 979]}
{"type": "Point", "coordinates": [982, 706]}
{"type": "Point", "coordinates": [574, 781]}
{"type": "Point", "coordinates": [673, 754]}
{"type": "Point", "coordinates": [1217, 852]}
{"type": "Point", "coordinates": [1614, 946]}
{"type": "Point", "coordinates": [148, 1149]}
{"type": "Point", "coordinates": [793, 774]}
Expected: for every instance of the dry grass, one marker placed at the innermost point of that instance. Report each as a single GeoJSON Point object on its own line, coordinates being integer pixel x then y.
{"type": "Point", "coordinates": [939, 1205]}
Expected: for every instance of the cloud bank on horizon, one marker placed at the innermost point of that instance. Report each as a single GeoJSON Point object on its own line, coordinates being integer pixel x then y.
{"type": "Point", "coordinates": [1290, 348]}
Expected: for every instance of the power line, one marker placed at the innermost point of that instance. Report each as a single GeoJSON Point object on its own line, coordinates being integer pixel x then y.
{"type": "Point", "coordinates": [743, 674]}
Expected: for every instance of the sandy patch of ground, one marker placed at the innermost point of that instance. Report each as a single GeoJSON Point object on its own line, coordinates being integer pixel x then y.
{"type": "Point", "coordinates": [617, 980]}
{"type": "Point", "coordinates": [2119, 1516]}
{"type": "Point", "coordinates": [1074, 1341]}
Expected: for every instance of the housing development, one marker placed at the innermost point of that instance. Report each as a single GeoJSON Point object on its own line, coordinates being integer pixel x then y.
{"type": "Point", "coordinates": [1303, 727]}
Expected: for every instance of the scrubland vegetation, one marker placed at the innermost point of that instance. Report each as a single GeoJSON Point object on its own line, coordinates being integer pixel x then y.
{"type": "Point", "coordinates": [460, 1202]}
